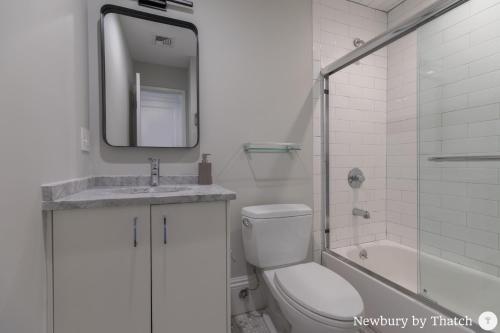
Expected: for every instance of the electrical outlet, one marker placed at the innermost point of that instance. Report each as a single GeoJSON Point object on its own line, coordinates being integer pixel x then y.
{"type": "Point", "coordinates": [84, 139]}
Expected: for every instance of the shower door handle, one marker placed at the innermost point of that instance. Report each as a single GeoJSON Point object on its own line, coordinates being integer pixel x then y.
{"type": "Point", "coordinates": [165, 230]}
{"type": "Point", "coordinates": [135, 231]}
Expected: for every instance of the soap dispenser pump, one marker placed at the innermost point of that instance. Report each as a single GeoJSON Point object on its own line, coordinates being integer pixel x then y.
{"type": "Point", "coordinates": [205, 171]}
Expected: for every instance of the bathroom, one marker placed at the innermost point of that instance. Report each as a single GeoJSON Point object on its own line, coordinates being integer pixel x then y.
{"type": "Point", "coordinates": [352, 147]}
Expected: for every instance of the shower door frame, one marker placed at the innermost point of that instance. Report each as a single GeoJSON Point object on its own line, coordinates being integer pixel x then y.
{"type": "Point", "coordinates": [407, 26]}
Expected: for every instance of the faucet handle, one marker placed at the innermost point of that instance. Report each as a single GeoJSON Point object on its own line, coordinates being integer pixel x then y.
{"type": "Point", "coordinates": [155, 171]}
{"type": "Point", "coordinates": [360, 177]}
{"type": "Point", "coordinates": [355, 178]}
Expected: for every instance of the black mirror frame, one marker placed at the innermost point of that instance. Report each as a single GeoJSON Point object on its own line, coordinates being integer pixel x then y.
{"type": "Point", "coordinates": [108, 9]}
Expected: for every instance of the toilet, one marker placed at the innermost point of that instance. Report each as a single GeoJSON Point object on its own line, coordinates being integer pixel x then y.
{"type": "Point", "coordinates": [312, 298]}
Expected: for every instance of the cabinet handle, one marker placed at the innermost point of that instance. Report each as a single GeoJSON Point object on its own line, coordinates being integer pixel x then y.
{"type": "Point", "coordinates": [135, 231]}
{"type": "Point", "coordinates": [165, 230]}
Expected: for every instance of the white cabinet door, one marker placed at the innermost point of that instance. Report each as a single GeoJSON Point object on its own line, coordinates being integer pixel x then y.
{"type": "Point", "coordinates": [189, 267]}
{"type": "Point", "coordinates": [102, 270]}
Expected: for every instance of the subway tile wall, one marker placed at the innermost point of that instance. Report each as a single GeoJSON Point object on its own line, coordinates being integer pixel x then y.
{"type": "Point", "coordinates": [459, 100]}
{"type": "Point", "coordinates": [373, 126]}
{"type": "Point", "coordinates": [358, 121]}
{"type": "Point", "coordinates": [402, 224]}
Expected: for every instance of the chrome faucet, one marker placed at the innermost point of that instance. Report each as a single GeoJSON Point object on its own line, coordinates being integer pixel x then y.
{"type": "Point", "coordinates": [155, 171]}
{"type": "Point", "coordinates": [360, 212]}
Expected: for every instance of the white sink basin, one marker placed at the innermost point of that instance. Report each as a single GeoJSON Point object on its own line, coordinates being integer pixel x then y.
{"type": "Point", "coordinates": [148, 189]}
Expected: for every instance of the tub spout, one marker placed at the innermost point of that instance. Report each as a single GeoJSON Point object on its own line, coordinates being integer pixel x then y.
{"type": "Point", "coordinates": [360, 212]}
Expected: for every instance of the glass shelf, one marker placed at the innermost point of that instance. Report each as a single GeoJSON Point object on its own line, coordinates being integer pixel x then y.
{"type": "Point", "coordinates": [271, 147]}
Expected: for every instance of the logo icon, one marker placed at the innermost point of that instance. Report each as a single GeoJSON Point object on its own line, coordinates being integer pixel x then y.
{"type": "Point", "coordinates": [487, 321]}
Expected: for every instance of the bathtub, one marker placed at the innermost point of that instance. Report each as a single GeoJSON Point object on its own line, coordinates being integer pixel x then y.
{"type": "Point", "coordinates": [391, 260]}
{"type": "Point", "coordinates": [460, 289]}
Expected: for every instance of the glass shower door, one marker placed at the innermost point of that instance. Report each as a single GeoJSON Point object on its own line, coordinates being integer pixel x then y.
{"type": "Point", "coordinates": [459, 159]}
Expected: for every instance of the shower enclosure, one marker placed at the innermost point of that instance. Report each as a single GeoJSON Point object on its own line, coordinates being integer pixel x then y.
{"type": "Point", "coordinates": [424, 131]}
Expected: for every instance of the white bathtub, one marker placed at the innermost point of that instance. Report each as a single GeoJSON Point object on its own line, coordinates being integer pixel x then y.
{"type": "Point", "coordinates": [391, 260]}
{"type": "Point", "coordinates": [456, 287]}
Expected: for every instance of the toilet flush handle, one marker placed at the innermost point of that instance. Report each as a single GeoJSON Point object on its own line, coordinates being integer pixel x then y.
{"type": "Point", "coordinates": [246, 222]}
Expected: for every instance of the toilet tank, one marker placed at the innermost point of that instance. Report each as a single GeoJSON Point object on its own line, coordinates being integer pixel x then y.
{"type": "Point", "coordinates": [276, 235]}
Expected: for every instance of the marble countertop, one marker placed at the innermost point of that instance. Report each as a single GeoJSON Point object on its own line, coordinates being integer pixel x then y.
{"type": "Point", "coordinates": [96, 192]}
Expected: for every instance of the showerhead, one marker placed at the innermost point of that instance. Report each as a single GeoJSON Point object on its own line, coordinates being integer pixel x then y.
{"type": "Point", "coordinates": [358, 42]}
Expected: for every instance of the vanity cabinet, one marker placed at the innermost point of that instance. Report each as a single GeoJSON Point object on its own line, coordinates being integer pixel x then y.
{"type": "Point", "coordinates": [101, 279]}
{"type": "Point", "coordinates": [189, 261]}
{"type": "Point", "coordinates": [159, 268]}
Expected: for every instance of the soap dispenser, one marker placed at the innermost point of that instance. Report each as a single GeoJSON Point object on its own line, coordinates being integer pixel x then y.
{"type": "Point", "coordinates": [205, 171]}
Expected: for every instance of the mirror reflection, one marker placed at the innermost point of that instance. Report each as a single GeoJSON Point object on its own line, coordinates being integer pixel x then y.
{"type": "Point", "coordinates": [150, 82]}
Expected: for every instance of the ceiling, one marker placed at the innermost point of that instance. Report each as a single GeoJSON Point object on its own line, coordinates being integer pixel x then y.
{"type": "Point", "coordinates": [383, 5]}
{"type": "Point", "coordinates": [140, 36]}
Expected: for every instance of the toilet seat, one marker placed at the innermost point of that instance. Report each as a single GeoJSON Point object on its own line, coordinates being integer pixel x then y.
{"type": "Point", "coordinates": [319, 293]}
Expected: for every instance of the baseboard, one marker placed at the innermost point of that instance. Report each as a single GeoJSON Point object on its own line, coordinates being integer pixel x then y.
{"type": "Point", "coordinates": [255, 300]}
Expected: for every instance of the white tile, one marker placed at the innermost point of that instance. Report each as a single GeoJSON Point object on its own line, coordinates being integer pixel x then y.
{"type": "Point", "coordinates": [340, 243]}
{"type": "Point", "coordinates": [470, 235]}
{"type": "Point", "coordinates": [478, 6]}
{"type": "Point", "coordinates": [484, 191]}
{"type": "Point", "coordinates": [462, 260]}
{"type": "Point", "coordinates": [438, 187]}
{"type": "Point", "coordinates": [443, 215]}
{"type": "Point", "coordinates": [358, 119]}
{"type": "Point", "coordinates": [430, 226]}
{"type": "Point", "coordinates": [483, 254]}
{"type": "Point", "coordinates": [476, 83]}
{"type": "Point", "coordinates": [445, 243]}
{"type": "Point", "coordinates": [485, 65]}
{"type": "Point", "coordinates": [483, 222]}
{"type": "Point", "coordinates": [471, 175]}
{"type": "Point", "coordinates": [485, 97]}
{"type": "Point", "coordinates": [470, 145]}
{"type": "Point", "coordinates": [471, 115]}
{"type": "Point", "coordinates": [486, 128]}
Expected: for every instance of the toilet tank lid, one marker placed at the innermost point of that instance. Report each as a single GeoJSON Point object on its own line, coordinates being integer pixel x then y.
{"type": "Point", "coordinates": [276, 211]}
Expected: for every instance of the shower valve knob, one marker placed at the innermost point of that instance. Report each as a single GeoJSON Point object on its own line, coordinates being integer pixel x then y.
{"type": "Point", "coordinates": [356, 178]}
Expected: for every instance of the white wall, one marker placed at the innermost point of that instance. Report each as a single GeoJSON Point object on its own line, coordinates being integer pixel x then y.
{"type": "Point", "coordinates": [43, 103]}
{"type": "Point", "coordinates": [255, 86]}
{"type": "Point", "coordinates": [120, 80]}
{"type": "Point", "coordinates": [357, 121]}
{"type": "Point", "coordinates": [163, 76]}
{"type": "Point", "coordinates": [255, 70]}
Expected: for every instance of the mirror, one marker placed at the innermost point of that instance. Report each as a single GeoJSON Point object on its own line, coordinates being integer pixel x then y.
{"type": "Point", "coordinates": [149, 80]}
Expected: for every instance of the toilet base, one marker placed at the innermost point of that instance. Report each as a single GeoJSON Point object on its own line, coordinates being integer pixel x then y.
{"type": "Point", "coordinates": [274, 312]}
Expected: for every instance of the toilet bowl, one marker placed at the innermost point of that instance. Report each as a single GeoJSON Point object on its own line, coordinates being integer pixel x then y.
{"type": "Point", "coordinates": [312, 298]}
